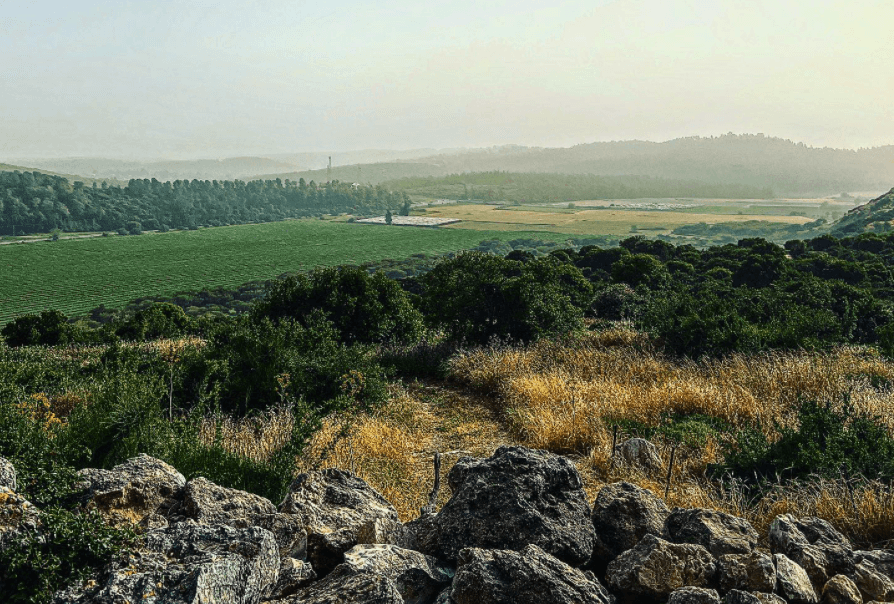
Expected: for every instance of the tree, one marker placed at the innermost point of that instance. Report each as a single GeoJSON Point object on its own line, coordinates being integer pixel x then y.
{"type": "Point", "coordinates": [388, 217]}
{"type": "Point", "coordinates": [405, 209]}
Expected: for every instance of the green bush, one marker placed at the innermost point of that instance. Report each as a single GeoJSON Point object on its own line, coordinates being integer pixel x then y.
{"type": "Point", "coordinates": [828, 441]}
{"type": "Point", "coordinates": [65, 549]}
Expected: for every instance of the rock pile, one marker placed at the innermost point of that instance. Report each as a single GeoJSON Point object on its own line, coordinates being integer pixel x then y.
{"type": "Point", "coordinates": [517, 530]}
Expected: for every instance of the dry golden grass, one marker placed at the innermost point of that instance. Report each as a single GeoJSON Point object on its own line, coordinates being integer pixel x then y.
{"type": "Point", "coordinates": [556, 396]}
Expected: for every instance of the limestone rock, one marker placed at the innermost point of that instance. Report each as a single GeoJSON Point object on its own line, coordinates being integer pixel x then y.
{"type": "Point", "coordinates": [872, 584]}
{"type": "Point", "coordinates": [735, 596]}
{"type": "Point", "coordinates": [293, 575]}
{"type": "Point", "coordinates": [7, 474]}
{"type": "Point", "coordinates": [333, 505]}
{"type": "Point", "coordinates": [624, 513]}
{"type": "Point", "coordinates": [190, 563]}
{"type": "Point", "coordinates": [382, 531]}
{"type": "Point", "coordinates": [17, 516]}
{"type": "Point", "coordinates": [132, 490]}
{"type": "Point", "coordinates": [747, 572]}
{"type": "Point", "coordinates": [655, 568]}
{"type": "Point", "coordinates": [814, 544]}
{"type": "Point", "coordinates": [640, 453]}
{"type": "Point", "coordinates": [419, 578]}
{"type": "Point", "coordinates": [208, 503]}
{"type": "Point", "coordinates": [719, 533]}
{"type": "Point", "coordinates": [841, 590]}
{"type": "Point", "coordinates": [344, 586]}
{"type": "Point", "coordinates": [765, 598]}
{"type": "Point", "coordinates": [883, 560]}
{"type": "Point", "coordinates": [794, 583]}
{"type": "Point", "coordinates": [514, 498]}
{"type": "Point", "coordinates": [694, 595]}
{"type": "Point", "coordinates": [444, 597]}
{"type": "Point", "coordinates": [531, 576]}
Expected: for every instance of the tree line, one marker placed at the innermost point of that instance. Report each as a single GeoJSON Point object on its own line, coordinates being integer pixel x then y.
{"type": "Point", "coordinates": [32, 202]}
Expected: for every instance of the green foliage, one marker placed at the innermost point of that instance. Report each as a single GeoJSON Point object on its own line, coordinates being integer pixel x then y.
{"type": "Point", "coordinates": [65, 549]}
{"type": "Point", "coordinates": [161, 320]}
{"type": "Point", "coordinates": [49, 328]}
{"type": "Point", "coordinates": [829, 441]}
{"type": "Point", "coordinates": [362, 307]}
{"type": "Point", "coordinates": [475, 297]}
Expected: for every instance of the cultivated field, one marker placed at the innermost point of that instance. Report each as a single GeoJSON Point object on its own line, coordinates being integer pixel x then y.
{"type": "Point", "coordinates": [587, 218]}
{"type": "Point", "coordinates": [75, 276]}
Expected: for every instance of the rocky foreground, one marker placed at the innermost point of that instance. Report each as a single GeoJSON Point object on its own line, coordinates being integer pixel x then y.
{"type": "Point", "coordinates": [517, 530]}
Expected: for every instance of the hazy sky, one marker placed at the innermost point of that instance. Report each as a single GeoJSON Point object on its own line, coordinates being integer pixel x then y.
{"type": "Point", "coordinates": [211, 79]}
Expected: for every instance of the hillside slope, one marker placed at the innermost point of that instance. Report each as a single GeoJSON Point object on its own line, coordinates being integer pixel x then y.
{"type": "Point", "coordinates": [873, 217]}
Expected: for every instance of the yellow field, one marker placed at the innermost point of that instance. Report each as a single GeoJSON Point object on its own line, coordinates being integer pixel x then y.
{"type": "Point", "coordinates": [584, 221]}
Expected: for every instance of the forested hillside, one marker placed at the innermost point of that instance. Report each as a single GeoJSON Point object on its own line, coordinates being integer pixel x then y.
{"type": "Point", "coordinates": [33, 202]}
{"type": "Point", "coordinates": [875, 216]}
{"type": "Point", "coordinates": [527, 187]}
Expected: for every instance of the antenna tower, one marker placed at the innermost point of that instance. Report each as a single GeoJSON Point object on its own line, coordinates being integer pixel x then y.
{"type": "Point", "coordinates": [329, 170]}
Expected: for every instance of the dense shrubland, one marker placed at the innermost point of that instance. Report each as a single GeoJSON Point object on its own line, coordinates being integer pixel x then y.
{"type": "Point", "coordinates": [763, 369]}
{"type": "Point", "coordinates": [32, 202]}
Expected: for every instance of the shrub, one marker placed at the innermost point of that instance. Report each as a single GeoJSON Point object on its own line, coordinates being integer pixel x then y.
{"type": "Point", "coordinates": [49, 328]}
{"type": "Point", "coordinates": [828, 442]}
{"type": "Point", "coordinates": [65, 549]}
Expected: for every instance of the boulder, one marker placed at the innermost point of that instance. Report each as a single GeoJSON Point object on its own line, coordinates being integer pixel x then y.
{"type": "Point", "coordinates": [719, 533]}
{"type": "Point", "coordinates": [655, 568]}
{"type": "Point", "coordinates": [208, 503]}
{"type": "Point", "coordinates": [333, 505]}
{"type": "Point", "coordinates": [746, 572]}
{"type": "Point", "coordinates": [883, 560]}
{"type": "Point", "coordinates": [735, 596]}
{"type": "Point", "coordinates": [640, 453]}
{"type": "Point", "coordinates": [624, 513]}
{"type": "Point", "coordinates": [18, 516]}
{"type": "Point", "coordinates": [694, 595]}
{"type": "Point", "coordinates": [7, 474]}
{"type": "Point", "coordinates": [344, 586]}
{"type": "Point", "coordinates": [189, 563]}
{"type": "Point", "coordinates": [765, 598]}
{"type": "Point", "coordinates": [293, 575]}
{"type": "Point", "coordinates": [841, 590]}
{"type": "Point", "coordinates": [531, 576]}
{"type": "Point", "coordinates": [794, 583]}
{"type": "Point", "coordinates": [514, 498]}
{"type": "Point", "coordinates": [130, 491]}
{"type": "Point", "coordinates": [814, 544]}
{"type": "Point", "coordinates": [419, 578]}
{"type": "Point", "coordinates": [872, 584]}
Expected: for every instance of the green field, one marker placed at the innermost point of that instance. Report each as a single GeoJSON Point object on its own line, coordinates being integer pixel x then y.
{"type": "Point", "coordinates": [75, 276]}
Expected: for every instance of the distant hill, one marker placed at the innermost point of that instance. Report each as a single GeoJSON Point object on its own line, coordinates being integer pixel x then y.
{"type": "Point", "coordinates": [242, 168]}
{"type": "Point", "coordinates": [786, 167]}
{"type": "Point", "coordinates": [69, 177]}
{"type": "Point", "coordinates": [875, 216]}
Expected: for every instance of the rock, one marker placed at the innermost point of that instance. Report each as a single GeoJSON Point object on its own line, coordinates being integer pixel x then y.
{"type": "Point", "coordinates": [382, 531]}
{"type": "Point", "coordinates": [444, 597]}
{"type": "Point", "coordinates": [640, 453]}
{"type": "Point", "coordinates": [132, 490]}
{"type": "Point", "coordinates": [883, 560]}
{"type": "Point", "coordinates": [531, 576]}
{"type": "Point", "coordinates": [624, 513]}
{"type": "Point", "coordinates": [333, 505]}
{"type": "Point", "coordinates": [748, 572]}
{"type": "Point", "coordinates": [514, 498]}
{"type": "Point", "coordinates": [343, 586]}
{"type": "Point", "coordinates": [208, 503]}
{"type": "Point", "coordinates": [872, 584]}
{"type": "Point", "coordinates": [768, 598]}
{"type": "Point", "coordinates": [7, 474]}
{"type": "Point", "coordinates": [17, 517]}
{"type": "Point", "coordinates": [694, 595]}
{"type": "Point", "coordinates": [655, 568]}
{"type": "Point", "coordinates": [735, 596]}
{"type": "Point", "coordinates": [293, 575]}
{"type": "Point", "coordinates": [419, 578]}
{"type": "Point", "coordinates": [719, 533]}
{"type": "Point", "coordinates": [814, 544]}
{"type": "Point", "coordinates": [841, 590]}
{"type": "Point", "coordinates": [794, 583]}
{"type": "Point", "coordinates": [190, 563]}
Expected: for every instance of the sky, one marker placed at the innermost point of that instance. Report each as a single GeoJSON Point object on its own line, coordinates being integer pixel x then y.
{"type": "Point", "coordinates": [190, 79]}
